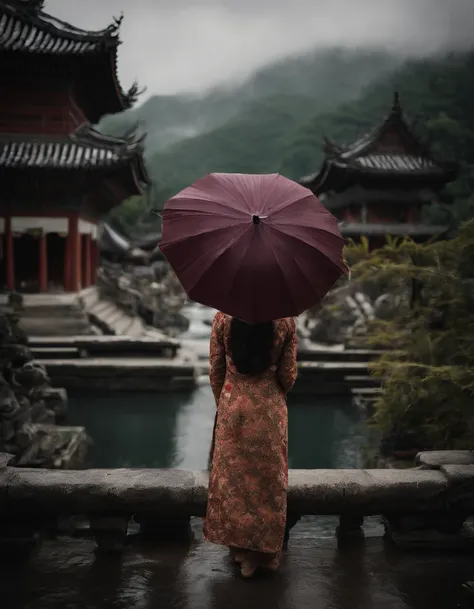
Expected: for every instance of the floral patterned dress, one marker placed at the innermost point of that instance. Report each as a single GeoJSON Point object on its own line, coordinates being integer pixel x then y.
{"type": "Point", "coordinates": [249, 472]}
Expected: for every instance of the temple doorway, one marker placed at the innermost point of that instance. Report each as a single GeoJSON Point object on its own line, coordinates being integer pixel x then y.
{"type": "Point", "coordinates": [56, 253]}
{"type": "Point", "coordinates": [26, 256]}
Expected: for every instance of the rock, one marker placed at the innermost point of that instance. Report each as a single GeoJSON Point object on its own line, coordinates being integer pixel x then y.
{"type": "Point", "coordinates": [436, 459]}
{"type": "Point", "coordinates": [54, 399]}
{"type": "Point", "coordinates": [5, 459]}
{"type": "Point", "coordinates": [30, 375]}
{"type": "Point", "coordinates": [9, 406]}
{"type": "Point", "coordinates": [26, 435]}
{"type": "Point", "coordinates": [460, 476]}
{"type": "Point", "coordinates": [343, 316]}
{"type": "Point", "coordinates": [7, 432]}
{"type": "Point", "coordinates": [29, 407]}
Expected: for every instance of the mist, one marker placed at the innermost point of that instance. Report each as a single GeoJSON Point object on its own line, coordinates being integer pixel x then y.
{"type": "Point", "coordinates": [193, 45]}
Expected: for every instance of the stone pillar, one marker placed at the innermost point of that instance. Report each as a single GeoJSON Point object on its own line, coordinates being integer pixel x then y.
{"type": "Point", "coordinates": [428, 530]}
{"type": "Point", "coordinates": [350, 526]}
{"type": "Point", "coordinates": [9, 255]}
{"type": "Point", "coordinates": [154, 527]}
{"type": "Point", "coordinates": [110, 532]}
{"type": "Point", "coordinates": [87, 260]}
{"type": "Point", "coordinates": [19, 534]}
{"type": "Point", "coordinates": [43, 262]}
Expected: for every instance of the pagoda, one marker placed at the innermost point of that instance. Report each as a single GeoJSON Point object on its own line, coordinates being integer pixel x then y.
{"type": "Point", "coordinates": [58, 174]}
{"type": "Point", "coordinates": [379, 185]}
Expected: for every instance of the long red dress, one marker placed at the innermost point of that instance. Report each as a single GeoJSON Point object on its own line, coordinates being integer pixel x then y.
{"type": "Point", "coordinates": [249, 474]}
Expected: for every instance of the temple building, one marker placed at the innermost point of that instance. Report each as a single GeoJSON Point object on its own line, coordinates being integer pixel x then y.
{"type": "Point", "coordinates": [379, 185]}
{"type": "Point", "coordinates": [58, 174]}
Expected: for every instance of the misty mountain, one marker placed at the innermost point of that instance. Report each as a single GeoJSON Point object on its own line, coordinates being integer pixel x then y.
{"type": "Point", "coordinates": [311, 81]}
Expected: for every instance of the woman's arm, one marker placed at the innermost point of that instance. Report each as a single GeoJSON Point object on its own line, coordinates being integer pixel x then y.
{"type": "Point", "coordinates": [217, 365]}
{"type": "Point", "coordinates": [287, 366]}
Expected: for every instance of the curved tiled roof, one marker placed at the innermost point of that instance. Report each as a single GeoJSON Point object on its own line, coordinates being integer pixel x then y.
{"type": "Point", "coordinates": [391, 150]}
{"type": "Point", "coordinates": [24, 28]}
{"type": "Point", "coordinates": [33, 31]}
{"type": "Point", "coordinates": [85, 149]}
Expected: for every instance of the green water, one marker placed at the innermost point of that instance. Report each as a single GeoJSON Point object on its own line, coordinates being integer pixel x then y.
{"type": "Point", "coordinates": [174, 430]}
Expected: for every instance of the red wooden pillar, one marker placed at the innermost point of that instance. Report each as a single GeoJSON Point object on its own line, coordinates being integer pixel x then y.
{"type": "Point", "coordinates": [74, 249]}
{"type": "Point", "coordinates": [87, 261]}
{"type": "Point", "coordinates": [94, 262]}
{"type": "Point", "coordinates": [80, 274]}
{"type": "Point", "coordinates": [9, 254]}
{"type": "Point", "coordinates": [43, 263]}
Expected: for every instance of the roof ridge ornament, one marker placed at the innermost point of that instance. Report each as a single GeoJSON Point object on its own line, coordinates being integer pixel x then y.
{"type": "Point", "coordinates": [397, 106]}
{"type": "Point", "coordinates": [131, 96]}
{"type": "Point", "coordinates": [330, 148]}
{"type": "Point", "coordinates": [115, 26]}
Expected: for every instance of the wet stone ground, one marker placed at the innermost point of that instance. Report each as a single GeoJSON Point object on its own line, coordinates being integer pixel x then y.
{"type": "Point", "coordinates": [315, 574]}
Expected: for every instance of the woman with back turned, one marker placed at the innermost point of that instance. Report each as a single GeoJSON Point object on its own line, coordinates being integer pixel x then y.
{"type": "Point", "coordinates": [251, 370]}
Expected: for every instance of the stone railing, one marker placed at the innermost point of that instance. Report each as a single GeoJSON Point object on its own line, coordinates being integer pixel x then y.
{"type": "Point", "coordinates": [428, 504]}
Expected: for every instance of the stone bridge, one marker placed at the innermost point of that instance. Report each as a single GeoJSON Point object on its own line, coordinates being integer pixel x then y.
{"type": "Point", "coordinates": [427, 505]}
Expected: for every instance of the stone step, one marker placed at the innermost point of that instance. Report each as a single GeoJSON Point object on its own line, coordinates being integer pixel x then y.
{"type": "Point", "coordinates": [363, 381]}
{"type": "Point", "coordinates": [59, 326]}
{"type": "Point", "coordinates": [110, 346]}
{"type": "Point", "coordinates": [89, 297]}
{"type": "Point", "coordinates": [100, 308]}
{"type": "Point", "coordinates": [123, 374]}
{"type": "Point", "coordinates": [55, 352]}
{"type": "Point", "coordinates": [113, 317]}
{"type": "Point", "coordinates": [367, 392]}
{"type": "Point", "coordinates": [321, 354]}
{"type": "Point", "coordinates": [59, 310]}
{"type": "Point", "coordinates": [121, 327]}
{"type": "Point", "coordinates": [136, 329]}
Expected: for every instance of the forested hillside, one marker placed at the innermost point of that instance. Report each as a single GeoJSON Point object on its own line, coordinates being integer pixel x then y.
{"type": "Point", "coordinates": [283, 131]}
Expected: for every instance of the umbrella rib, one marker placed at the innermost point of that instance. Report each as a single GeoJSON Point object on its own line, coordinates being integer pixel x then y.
{"type": "Point", "coordinates": [270, 244]}
{"type": "Point", "coordinates": [281, 227]}
{"type": "Point", "coordinates": [201, 232]}
{"type": "Point", "coordinates": [237, 269]}
{"type": "Point", "coordinates": [340, 267]}
{"type": "Point", "coordinates": [222, 251]}
{"type": "Point", "coordinates": [308, 279]}
{"type": "Point", "coordinates": [200, 200]}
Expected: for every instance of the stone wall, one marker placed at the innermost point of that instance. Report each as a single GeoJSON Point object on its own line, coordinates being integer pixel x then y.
{"type": "Point", "coordinates": [426, 506]}
{"type": "Point", "coordinates": [30, 408]}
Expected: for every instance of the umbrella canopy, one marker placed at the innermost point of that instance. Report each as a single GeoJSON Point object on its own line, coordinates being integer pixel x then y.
{"type": "Point", "coordinates": [257, 247]}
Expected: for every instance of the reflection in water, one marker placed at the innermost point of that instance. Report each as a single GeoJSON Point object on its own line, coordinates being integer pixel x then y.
{"type": "Point", "coordinates": [65, 574]}
{"type": "Point", "coordinates": [350, 577]}
{"type": "Point", "coordinates": [174, 430]}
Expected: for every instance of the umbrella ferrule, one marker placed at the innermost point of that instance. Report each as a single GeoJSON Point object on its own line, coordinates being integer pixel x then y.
{"type": "Point", "coordinates": [256, 219]}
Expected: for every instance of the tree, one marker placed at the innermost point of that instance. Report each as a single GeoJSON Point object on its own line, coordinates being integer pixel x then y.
{"type": "Point", "coordinates": [428, 370]}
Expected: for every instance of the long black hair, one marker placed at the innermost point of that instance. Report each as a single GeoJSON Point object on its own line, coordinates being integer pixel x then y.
{"type": "Point", "coordinates": [251, 346]}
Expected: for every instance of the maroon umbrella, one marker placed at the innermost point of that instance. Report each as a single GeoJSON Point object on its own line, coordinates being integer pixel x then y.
{"type": "Point", "coordinates": [257, 247]}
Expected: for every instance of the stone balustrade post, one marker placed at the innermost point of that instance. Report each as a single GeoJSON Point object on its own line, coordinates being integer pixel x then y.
{"type": "Point", "coordinates": [159, 528]}
{"type": "Point", "coordinates": [350, 526]}
{"type": "Point", "coordinates": [109, 531]}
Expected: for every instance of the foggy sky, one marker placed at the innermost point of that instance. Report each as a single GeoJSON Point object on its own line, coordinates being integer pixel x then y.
{"type": "Point", "coordinates": [189, 45]}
